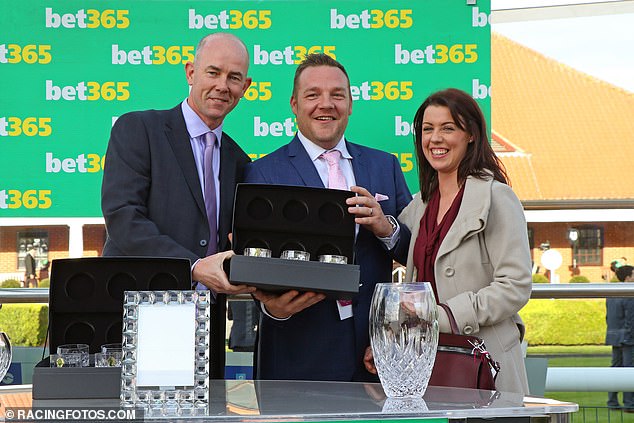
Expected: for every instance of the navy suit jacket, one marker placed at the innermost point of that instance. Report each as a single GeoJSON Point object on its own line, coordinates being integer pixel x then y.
{"type": "Point", "coordinates": [316, 344]}
{"type": "Point", "coordinates": [620, 321]}
{"type": "Point", "coordinates": [152, 200]}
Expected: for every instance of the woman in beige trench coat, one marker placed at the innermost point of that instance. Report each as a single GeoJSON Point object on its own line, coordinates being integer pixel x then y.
{"type": "Point", "coordinates": [469, 234]}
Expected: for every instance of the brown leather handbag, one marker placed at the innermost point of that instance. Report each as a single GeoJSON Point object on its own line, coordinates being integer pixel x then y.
{"type": "Point", "coordinates": [462, 361]}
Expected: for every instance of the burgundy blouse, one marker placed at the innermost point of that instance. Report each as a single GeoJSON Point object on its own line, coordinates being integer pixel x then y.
{"type": "Point", "coordinates": [431, 235]}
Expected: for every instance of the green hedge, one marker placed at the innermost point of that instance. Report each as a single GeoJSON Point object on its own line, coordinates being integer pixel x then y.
{"type": "Point", "coordinates": [25, 323]}
{"type": "Point", "coordinates": [11, 283]}
{"type": "Point", "coordinates": [548, 322]}
{"type": "Point", "coordinates": [539, 278]}
{"type": "Point", "coordinates": [565, 322]}
{"type": "Point", "coordinates": [579, 279]}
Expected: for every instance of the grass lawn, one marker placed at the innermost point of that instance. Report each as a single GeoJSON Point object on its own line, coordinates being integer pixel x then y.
{"type": "Point", "coordinates": [592, 405]}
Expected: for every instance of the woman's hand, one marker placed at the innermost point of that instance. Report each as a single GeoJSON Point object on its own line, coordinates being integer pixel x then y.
{"type": "Point", "coordinates": [368, 361]}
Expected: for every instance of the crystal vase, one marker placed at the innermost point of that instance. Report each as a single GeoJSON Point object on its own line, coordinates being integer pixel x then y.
{"type": "Point", "coordinates": [5, 354]}
{"type": "Point", "coordinates": [404, 337]}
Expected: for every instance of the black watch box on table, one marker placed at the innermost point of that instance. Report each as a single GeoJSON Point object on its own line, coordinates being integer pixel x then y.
{"type": "Point", "coordinates": [86, 307]}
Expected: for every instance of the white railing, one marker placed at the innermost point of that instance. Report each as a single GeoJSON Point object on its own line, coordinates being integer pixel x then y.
{"type": "Point", "coordinates": [590, 379]}
{"type": "Point", "coordinates": [18, 276]}
{"type": "Point", "coordinates": [541, 290]}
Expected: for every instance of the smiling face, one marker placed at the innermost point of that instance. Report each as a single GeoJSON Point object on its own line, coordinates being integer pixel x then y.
{"type": "Point", "coordinates": [322, 104]}
{"type": "Point", "coordinates": [218, 78]}
{"type": "Point", "coordinates": [444, 143]}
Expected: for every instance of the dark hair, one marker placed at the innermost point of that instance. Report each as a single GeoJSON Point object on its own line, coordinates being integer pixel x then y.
{"type": "Point", "coordinates": [480, 160]}
{"type": "Point", "coordinates": [623, 272]}
{"type": "Point", "coordinates": [317, 59]}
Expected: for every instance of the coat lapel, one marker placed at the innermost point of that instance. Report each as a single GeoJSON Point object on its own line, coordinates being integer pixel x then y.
{"type": "Point", "coordinates": [472, 216]}
{"type": "Point", "coordinates": [178, 138]}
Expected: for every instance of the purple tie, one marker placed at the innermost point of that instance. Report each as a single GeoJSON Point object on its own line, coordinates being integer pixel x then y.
{"type": "Point", "coordinates": [210, 191]}
{"type": "Point", "coordinates": [336, 180]}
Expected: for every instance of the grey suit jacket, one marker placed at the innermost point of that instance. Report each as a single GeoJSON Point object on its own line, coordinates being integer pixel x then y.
{"type": "Point", "coordinates": [152, 200]}
{"type": "Point", "coordinates": [483, 272]}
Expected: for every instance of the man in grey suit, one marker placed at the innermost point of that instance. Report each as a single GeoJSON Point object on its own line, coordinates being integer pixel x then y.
{"type": "Point", "coordinates": [157, 167]}
{"type": "Point", "coordinates": [620, 334]}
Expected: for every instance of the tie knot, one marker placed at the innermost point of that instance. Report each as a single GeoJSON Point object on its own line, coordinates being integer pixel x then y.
{"type": "Point", "coordinates": [210, 139]}
{"type": "Point", "coordinates": [332, 156]}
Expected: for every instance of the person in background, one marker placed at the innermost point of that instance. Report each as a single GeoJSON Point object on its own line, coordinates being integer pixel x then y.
{"type": "Point", "coordinates": [468, 232]}
{"type": "Point", "coordinates": [615, 264]}
{"type": "Point", "coordinates": [170, 176]}
{"type": "Point", "coordinates": [245, 316]}
{"type": "Point", "coordinates": [44, 270]}
{"type": "Point", "coordinates": [30, 266]}
{"type": "Point", "coordinates": [302, 335]}
{"type": "Point", "coordinates": [620, 335]}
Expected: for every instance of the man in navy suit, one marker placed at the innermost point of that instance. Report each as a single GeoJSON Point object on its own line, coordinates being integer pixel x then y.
{"type": "Point", "coordinates": [620, 334]}
{"type": "Point", "coordinates": [152, 192]}
{"type": "Point", "coordinates": [303, 335]}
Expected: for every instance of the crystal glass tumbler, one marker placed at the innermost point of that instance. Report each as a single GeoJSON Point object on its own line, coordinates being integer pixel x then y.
{"type": "Point", "coordinates": [404, 337]}
{"type": "Point", "coordinates": [257, 252]}
{"type": "Point", "coordinates": [108, 359]}
{"type": "Point", "coordinates": [295, 255]}
{"type": "Point", "coordinates": [73, 355]}
{"type": "Point", "coordinates": [5, 354]}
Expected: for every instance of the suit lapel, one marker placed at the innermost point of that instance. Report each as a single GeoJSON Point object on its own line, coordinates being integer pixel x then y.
{"type": "Point", "coordinates": [178, 138]}
{"type": "Point", "coordinates": [228, 171]}
{"type": "Point", "coordinates": [360, 167]}
{"type": "Point", "coordinates": [303, 164]}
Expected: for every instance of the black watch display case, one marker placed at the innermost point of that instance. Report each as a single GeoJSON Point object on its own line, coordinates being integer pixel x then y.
{"type": "Point", "coordinates": [297, 218]}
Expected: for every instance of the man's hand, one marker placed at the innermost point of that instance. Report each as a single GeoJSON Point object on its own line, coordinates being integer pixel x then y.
{"type": "Point", "coordinates": [368, 361]}
{"type": "Point", "coordinates": [210, 273]}
{"type": "Point", "coordinates": [368, 212]}
{"type": "Point", "coordinates": [285, 305]}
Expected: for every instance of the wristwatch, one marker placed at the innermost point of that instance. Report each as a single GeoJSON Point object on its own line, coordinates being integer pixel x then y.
{"type": "Point", "coordinates": [394, 224]}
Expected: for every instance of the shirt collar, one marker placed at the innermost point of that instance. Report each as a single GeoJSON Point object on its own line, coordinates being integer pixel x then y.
{"type": "Point", "coordinates": [195, 125]}
{"type": "Point", "coordinates": [314, 151]}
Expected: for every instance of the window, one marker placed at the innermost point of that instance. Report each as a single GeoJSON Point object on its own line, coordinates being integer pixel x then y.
{"type": "Point", "coordinates": [588, 250]}
{"type": "Point", "coordinates": [37, 240]}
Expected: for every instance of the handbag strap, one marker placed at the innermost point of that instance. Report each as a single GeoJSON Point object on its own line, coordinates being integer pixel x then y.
{"type": "Point", "coordinates": [452, 320]}
{"type": "Point", "coordinates": [454, 329]}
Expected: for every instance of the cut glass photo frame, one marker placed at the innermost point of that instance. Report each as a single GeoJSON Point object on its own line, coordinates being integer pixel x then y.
{"type": "Point", "coordinates": [165, 364]}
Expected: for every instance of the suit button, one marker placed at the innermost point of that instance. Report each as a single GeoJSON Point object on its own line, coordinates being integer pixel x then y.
{"type": "Point", "coordinates": [203, 243]}
{"type": "Point", "coordinates": [449, 271]}
{"type": "Point", "coordinates": [467, 330]}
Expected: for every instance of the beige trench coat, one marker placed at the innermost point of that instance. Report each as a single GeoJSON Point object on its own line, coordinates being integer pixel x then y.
{"type": "Point", "coordinates": [483, 272]}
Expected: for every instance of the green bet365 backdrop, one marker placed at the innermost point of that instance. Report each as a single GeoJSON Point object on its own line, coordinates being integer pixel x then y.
{"type": "Point", "coordinates": [68, 69]}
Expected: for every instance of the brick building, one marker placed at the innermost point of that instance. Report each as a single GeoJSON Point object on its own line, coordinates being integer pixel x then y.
{"type": "Point", "coordinates": [567, 141]}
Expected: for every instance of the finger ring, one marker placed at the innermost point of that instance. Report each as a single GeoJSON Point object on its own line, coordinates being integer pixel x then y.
{"type": "Point", "coordinates": [371, 211]}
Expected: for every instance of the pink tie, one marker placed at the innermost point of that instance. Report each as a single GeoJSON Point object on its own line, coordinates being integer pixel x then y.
{"type": "Point", "coordinates": [210, 191]}
{"type": "Point", "coordinates": [336, 180]}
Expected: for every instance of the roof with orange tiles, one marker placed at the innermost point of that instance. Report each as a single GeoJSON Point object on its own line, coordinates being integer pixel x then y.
{"type": "Point", "coordinates": [563, 135]}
